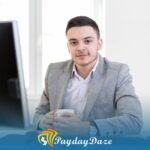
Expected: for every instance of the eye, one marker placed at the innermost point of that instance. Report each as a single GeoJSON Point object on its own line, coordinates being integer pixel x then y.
{"type": "Point", "coordinates": [73, 43]}
{"type": "Point", "coordinates": [87, 41]}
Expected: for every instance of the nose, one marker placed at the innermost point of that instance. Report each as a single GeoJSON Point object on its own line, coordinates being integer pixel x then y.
{"type": "Point", "coordinates": [81, 46]}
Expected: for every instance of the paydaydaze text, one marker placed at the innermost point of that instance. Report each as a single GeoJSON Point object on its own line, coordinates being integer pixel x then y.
{"type": "Point", "coordinates": [84, 142]}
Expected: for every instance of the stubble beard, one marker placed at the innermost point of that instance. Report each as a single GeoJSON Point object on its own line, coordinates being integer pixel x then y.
{"type": "Point", "coordinates": [86, 64]}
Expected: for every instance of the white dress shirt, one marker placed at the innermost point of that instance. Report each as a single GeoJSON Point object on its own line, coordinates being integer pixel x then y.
{"type": "Point", "coordinates": [76, 93]}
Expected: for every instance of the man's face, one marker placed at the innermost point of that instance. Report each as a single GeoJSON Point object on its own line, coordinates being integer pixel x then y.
{"type": "Point", "coordinates": [83, 45]}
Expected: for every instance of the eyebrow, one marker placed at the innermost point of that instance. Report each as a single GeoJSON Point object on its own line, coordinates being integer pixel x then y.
{"type": "Point", "coordinates": [88, 37]}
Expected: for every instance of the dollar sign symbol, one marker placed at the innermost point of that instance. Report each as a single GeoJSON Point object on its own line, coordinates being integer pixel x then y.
{"type": "Point", "coordinates": [43, 140]}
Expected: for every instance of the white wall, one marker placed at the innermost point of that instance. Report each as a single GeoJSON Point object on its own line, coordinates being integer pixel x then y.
{"type": "Point", "coordinates": [128, 41]}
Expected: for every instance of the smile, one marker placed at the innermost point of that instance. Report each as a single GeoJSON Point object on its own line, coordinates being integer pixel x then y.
{"type": "Point", "coordinates": [81, 55]}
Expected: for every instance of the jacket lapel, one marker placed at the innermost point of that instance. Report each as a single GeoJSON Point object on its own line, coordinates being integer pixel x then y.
{"type": "Point", "coordinates": [94, 88]}
{"type": "Point", "coordinates": [62, 83]}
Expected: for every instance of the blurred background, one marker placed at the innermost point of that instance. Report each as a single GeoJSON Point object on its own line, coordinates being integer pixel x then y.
{"type": "Point", "coordinates": [124, 26]}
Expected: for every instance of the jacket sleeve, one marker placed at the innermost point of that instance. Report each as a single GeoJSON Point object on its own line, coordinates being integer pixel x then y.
{"type": "Point", "coordinates": [128, 118]}
{"type": "Point", "coordinates": [44, 106]}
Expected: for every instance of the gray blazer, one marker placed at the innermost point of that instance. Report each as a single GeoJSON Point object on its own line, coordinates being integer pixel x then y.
{"type": "Point", "coordinates": [111, 103]}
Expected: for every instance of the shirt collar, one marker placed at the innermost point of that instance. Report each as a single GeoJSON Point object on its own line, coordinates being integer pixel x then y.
{"type": "Point", "coordinates": [74, 70]}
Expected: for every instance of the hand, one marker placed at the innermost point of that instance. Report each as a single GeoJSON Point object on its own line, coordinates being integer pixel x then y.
{"type": "Point", "coordinates": [70, 125]}
{"type": "Point", "coordinates": [47, 121]}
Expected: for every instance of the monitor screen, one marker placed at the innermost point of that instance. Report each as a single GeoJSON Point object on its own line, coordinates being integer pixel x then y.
{"type": "Point", "coordinates": [13, 100]}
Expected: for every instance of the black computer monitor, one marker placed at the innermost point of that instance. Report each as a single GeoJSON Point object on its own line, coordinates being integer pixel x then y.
{"type": "Point", "coordinates": [13, 100]}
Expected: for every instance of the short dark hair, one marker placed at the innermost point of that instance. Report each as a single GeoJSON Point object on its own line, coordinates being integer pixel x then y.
{"type": "Point", "coordinates": [83, 21]}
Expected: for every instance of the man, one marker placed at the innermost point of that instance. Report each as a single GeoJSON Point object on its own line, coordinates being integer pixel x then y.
{"type": "Point", "coordinates": [100, 92]}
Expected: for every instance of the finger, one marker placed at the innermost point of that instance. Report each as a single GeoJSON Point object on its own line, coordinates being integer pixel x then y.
{"type": "Point", "coordinates": [60, 120]}
{"type": "Point", "coordinates": [67, 114]}
{"type": "Point", "coordinates": [51, 114]}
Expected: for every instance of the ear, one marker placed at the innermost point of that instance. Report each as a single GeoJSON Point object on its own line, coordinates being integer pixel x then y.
{"type": "Point", "coordinates": [100, 43]}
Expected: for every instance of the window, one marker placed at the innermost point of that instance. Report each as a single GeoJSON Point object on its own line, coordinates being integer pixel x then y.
{"type": "Point", "coordinates": [18, 10]}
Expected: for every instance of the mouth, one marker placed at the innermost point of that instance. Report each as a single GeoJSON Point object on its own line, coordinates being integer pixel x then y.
{"type": "Point", "coordinates": [82, 55]}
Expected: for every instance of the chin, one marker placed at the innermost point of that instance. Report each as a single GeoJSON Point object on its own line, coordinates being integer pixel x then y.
{"type": "Point", "coordinates": [83, 63]}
